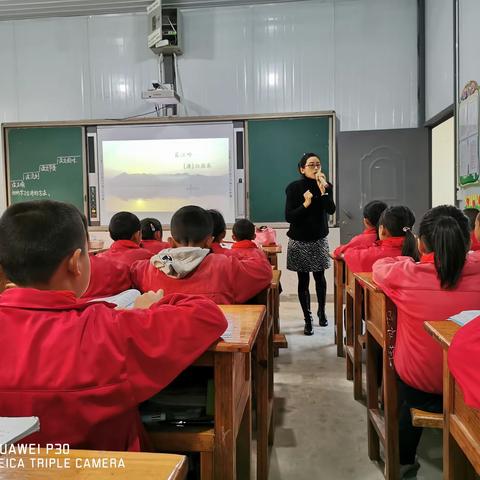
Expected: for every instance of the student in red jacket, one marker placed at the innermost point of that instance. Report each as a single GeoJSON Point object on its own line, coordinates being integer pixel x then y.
{"type": "Point", "coordinates": [83, 368]}
{"type": "Point", "coordinates": [371, 216]}
{"type": "Point", "coordinates": [473, 216]}
{"type": "Point", "coordinates": [396, 238]}
{"type": "Point", "coordinates": [219, 232]}
{"type": "Point", "coordinates": [125, 230]}
{"type": "Point", "coordinates": [464, 361]}
{"type": "Point", "coordinates": [243, 234]}
{"type": "Point", "coordinates": [445, 281]}
{"type": "Point", "coordinates": [152, 233]}
{"type": "Point", "coordinates": [189, 267]}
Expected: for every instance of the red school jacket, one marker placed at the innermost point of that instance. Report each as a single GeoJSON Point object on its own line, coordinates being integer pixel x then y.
{"type": "Point", "coordinates": [126, 251]}
{"type": "Point", "coordinates": [464, 361]}
{"type": "Point", "coordinates": [154, 246]}
{"type": "Point", "coordinates": [83, 368]}
{"type": "Point", "coordinates": [362, 259]}
{"type": "Point", "coordinates": [107, 277]}
{"type": "Point", "coordinates": [415, 290]}
{"type": "Point", "coordinates": [475, 244]}
{"type": "Point", "coordinates": [247, 248]}
{"type": "Point", "coordinates": [223, 279]}
{"type": "Point", "coordinates": [217, 248]}
{"type": "Point", "coordinates": [365, 239]}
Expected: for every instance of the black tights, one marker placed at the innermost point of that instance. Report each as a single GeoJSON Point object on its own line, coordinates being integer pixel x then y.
{"type": "Point", "coordinates": [304, 294]}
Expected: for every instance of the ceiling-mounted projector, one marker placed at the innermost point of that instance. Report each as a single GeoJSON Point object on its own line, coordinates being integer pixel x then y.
{"type": "Point", "coordinates": [161, 95]}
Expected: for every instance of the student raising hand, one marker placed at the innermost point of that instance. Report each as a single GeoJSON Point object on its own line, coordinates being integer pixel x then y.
{"type": "Point", "coordinates": [148, 299]}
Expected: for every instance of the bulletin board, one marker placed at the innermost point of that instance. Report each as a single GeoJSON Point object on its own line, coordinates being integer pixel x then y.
{"type": "Point", "coordinates": [468, 122]}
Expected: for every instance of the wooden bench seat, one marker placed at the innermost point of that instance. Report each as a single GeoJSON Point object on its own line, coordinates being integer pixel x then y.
{"type": "Point", "coordinates": [420, 418]}
{"type": "Point", "coordinates": [280, 340]}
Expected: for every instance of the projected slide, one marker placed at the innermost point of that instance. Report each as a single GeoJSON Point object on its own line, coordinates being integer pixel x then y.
{"type": "Point", "coordinates": [155, 177]}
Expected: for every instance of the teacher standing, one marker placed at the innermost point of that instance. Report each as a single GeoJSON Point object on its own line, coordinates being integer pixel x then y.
{"type": "Point", "coordinates": [309, 202]}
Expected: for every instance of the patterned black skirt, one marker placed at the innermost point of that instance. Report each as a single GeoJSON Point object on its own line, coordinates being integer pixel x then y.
{"type": "Point", "coordinates": [308, 256]}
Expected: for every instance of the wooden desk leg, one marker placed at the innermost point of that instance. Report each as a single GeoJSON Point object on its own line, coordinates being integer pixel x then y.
{"type": "Point", "coordinates": [372, 397]}
{"type": "Point", "coordinates": [271, 391]}
{"type": "Point", "coordinates": [264, 370]}
{"type": "Point", "coordinates": [357, 346]}
{"type": "Point", "coordinates": [244, 443]}
{"type": "Point", "coordinates": [349, 333]}
{"type": "Point", "coordinates": [225, 451]}
{"type": "Point", "coordinates": [456, 465]}
{"type": "Point", "coordinates": [338, 302]}
{"type": "Point", "coordinates": [392, 454]}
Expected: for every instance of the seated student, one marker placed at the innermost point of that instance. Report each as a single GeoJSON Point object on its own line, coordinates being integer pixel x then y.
{"type": "Point", "coordinates": [464, 361]}
{"type": "Point", "coordinates": [445, 281]}
{"type": "Point", "coordinates": [83, 368]}
{"type": "Point", "coordinates": [243, 234]}
{"type": "Point", "coordinates": [152, 233]}
{"type": "Point", "coordinates": [125, 230]}
{"type": "Point", "coordinates": [190, 267]}
{"type": "Point", "coordinates": [107, 277]}
{"type": "Point", "coordinates": [396, 238]}
{"type": "Point", "coordinates": [219, 232]}
{"type": "Point", "coordinates": [371, 216]}
{"type": "Point", "coordinates": [473, 216]}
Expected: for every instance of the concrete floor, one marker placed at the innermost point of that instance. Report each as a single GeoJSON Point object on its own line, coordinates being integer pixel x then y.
{"type": "Point", "coordinates": [321, 430]}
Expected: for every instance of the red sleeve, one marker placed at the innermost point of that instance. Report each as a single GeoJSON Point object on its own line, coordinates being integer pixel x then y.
{"type": "Point", "coordinates": [107, 278]}
{"type": "Point", "coordinates": [137, 273]}
{"type": "Point", "coordinates": [360, 259]}
{"type": "Point", "coordinates": [363, 240]}
{"type": "Point", "coordinates": [166, 338]}
{"type": "Point", "coordinates": [464, 361]}
{"type": "Point", "coordinates": [249, 275]}
{"type": "Point", "coordinates": [386, 272]}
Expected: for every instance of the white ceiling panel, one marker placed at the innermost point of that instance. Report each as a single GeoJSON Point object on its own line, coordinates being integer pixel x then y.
{"type": "Point", "coordinates": [22, 9]}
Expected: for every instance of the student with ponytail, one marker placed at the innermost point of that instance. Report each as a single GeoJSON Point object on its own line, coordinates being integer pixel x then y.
{"type": "Point", "coordinates": [371, 216]}
{"type": "Point", "coordinates": [445, 281]}
{"type": "Point", "coordinates": [395, 238]}
{"type": "Point", "coordinates": [152, 234]}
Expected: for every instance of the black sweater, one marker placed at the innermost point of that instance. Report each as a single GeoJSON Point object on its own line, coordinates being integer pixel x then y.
{"type": "Point", "coordinates": [311, 223]}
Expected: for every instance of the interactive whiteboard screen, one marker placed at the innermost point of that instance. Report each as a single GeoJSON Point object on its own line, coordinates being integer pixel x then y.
{"type": "Point", "coordinates": [154, 170]}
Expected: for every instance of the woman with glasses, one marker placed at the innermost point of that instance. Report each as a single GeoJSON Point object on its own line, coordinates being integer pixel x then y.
{"type": "Point", "coordinates": [309, 202]}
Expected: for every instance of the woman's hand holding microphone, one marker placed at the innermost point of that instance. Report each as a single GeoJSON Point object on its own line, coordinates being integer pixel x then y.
{"type": "Point", "coordinates": [321, 182]}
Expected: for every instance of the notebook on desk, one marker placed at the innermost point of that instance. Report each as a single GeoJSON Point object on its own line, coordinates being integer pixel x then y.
{"type": "Point", "coordinates": [124, 299]}
{"type": "Point", "coordinates": [464, 317]}
{"type": "Point", "coordinates": [13, 429]}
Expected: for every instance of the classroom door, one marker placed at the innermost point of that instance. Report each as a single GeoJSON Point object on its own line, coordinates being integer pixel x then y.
{"type": "Point", "coordinates": [388, 165]}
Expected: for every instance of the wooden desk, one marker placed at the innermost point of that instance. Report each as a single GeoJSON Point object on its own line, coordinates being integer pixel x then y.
{"type": "Point", "coordinates": [381, 322]}
{"type": "Point", "coordinates": [338, 294]}
{"type": "Point", "coordinates": [461, 428]}
{"type": "Point", "coordinates": [138, 465]}
{"type": "Point", "coordinates": [230, 358]}
{"type": "Point", "coordinates": [272, 251]}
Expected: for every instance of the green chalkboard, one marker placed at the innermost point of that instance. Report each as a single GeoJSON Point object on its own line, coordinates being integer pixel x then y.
{"type": "Point", "coordinates": [46, 163]}
{"type": "Point", "coordinates": [274, 149]}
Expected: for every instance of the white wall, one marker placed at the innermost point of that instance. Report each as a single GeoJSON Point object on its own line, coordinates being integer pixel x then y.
{"type": "Point", "coordinates": [438, 56]}
{"type": "Point", "coordinates": [443, 164]}
{"type": "Point", "coordinates": [355, 56]}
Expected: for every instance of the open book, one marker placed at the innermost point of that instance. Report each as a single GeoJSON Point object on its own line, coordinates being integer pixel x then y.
{"type": "Point", "coordinates": [464, 317]}
{"type": "Point", "coordinates": [125, 299]}
{"type": "Point", "coordinates": [13, 429]}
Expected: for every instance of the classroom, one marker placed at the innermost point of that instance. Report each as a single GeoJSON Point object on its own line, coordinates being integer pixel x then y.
{"type": "Point", "coordinates": [171, 171]}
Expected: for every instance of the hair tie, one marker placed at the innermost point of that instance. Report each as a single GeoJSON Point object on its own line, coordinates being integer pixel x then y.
{"type": "Point", "coordinates": [152, 227]}
{"type": "Point", "coordinates": [406, 229]}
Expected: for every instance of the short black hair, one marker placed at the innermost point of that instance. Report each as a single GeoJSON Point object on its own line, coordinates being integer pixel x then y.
{"type": "Point", "coordinates": [123, 225]}
{"type": "Point", "coordinates": [191, 224]}
{"type": "Point", "coordinates": [219, 225]}
{"type": "Point", "coordinates": [149, 227]}
{"type": "Point", "coordinates": [471, 214]}
{"type": "Point", "coordinates": [35, 237]}
{"type": "Point", "coordinates": [372, 211]}
{"type": "Point", "coordinates": [244, 229]}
